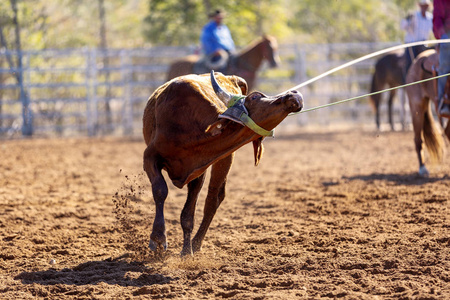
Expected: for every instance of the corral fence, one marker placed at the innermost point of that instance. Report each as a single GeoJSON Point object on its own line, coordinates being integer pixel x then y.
{"type": "Point", "coordinates": [96, 92]}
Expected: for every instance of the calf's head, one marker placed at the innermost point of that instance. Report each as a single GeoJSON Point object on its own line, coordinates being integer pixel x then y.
{"type": "Point", "coordinates": [259, 112]}
{"type": "Point", "coordinates": [264, 111]}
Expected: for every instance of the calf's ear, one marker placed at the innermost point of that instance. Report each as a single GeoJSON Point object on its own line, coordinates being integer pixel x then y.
{"type": "Point", "coordinates": [241, 83]}
{"type": "Point", "coordinates": [217, 127]}
{"type": "Point", "coordinates": [258, 150]}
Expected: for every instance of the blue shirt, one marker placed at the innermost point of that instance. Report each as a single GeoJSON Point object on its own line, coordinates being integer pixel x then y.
{"type": "Point", "coordinates": [215, 37]}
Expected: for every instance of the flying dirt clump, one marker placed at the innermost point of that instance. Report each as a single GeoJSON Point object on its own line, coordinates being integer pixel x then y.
{"type": "Point", "coordinates": [131, 222]}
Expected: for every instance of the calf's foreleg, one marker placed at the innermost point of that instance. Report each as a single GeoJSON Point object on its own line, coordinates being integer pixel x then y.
{"type": "Point", "coordinates": [188, 213]}
{"type": "Point", "coordinates": [158, 238]}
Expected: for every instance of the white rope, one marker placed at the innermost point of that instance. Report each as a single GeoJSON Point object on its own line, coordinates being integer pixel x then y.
{"type": "Point", "coordinates": [366, 95]}
{"type": "Point", "coordinates": [367, 57]}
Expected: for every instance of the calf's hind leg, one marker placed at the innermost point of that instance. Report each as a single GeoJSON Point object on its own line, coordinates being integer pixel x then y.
{"type": "Point", "coordinates": [158, 238]}
{"type": "Point", "coordinates": [216, 194]}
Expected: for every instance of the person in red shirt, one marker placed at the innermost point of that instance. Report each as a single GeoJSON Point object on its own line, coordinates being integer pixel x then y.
{"type": "Point", "coordinates": [441, 30]}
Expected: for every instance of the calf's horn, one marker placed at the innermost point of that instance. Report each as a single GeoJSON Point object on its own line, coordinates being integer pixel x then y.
{"type": "Point", "coordinates": [221, 93]}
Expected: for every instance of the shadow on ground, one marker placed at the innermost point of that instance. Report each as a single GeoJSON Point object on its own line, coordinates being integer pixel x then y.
{"type": "Point", "coordinates": [114, 272]}
{"type": "Point", "coordinates": [399, 179]}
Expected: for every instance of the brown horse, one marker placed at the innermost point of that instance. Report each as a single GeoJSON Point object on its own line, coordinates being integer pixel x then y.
{"type": "Point", "coordinates": [420, 106]}
{"type": "Point", "coordinates": [244, 64]}
{"type": "Point", "coordinates": [388, 72]}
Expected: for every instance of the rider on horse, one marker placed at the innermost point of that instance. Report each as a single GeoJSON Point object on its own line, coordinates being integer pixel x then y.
{"type": "Point", "coordinates": [418, 27]}
{"type": "Point", "coordinates": [441, 29]}
{"type": "Point", "coordinates": [216, 40]}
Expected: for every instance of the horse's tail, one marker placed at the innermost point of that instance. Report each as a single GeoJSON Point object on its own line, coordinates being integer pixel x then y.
{"type": "Point", "coordinates": [433, 138]}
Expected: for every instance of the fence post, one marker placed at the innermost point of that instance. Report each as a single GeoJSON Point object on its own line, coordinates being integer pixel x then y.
{"type": "Point", "coordinates": [300, 64]}
{"type": "Point", "coordinates": [91, 86]}
{"type": "Point", "coordinates": [300, 74]}
{"type": "Point", "coordinates": [87, 55]}
{"type": "Point", "coordinates": [27, 115]}
{"type": "Point", "coordinates": [127, 111]}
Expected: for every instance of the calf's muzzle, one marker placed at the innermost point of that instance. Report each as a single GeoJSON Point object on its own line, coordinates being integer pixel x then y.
{"type": "Point", "coordinates": [293, 100]}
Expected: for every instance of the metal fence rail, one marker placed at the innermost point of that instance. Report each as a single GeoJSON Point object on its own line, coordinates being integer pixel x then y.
{"type": "Point", "coordinates": [93, 92]}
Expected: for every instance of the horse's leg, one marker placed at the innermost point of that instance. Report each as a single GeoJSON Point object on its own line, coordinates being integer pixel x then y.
{"type": "Point", "coordinates": [216, 194]}
{"type": "Point", "coordinates": [403, 108]}
{"type": "Point", "coordinates": [376, 106]}
{"type": "Point", "coordinates": [160, 191]}
{"type": "Point", "coordinates": [418, 116]}
{"type": "Point", "coordinates": [375, 99]}
{"type": "Point", "coordinates": [390, 101]}
{"type": "Point", "coordinates": [187, 215]}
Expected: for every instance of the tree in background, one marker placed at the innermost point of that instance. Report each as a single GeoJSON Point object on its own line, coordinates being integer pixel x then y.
{"type": "Point", "coordinates": [406, 6]}
{"type": "Point", "coordinates": [59, 24]}
{"type": "Point", "coordinates": [174, 22]}
{"type": "Point", "coordinates": [137, 23]}
{"type": "Point", "coordinates": [103, 46]}
{"type": "Point", "coordinates": [171, 22]}
{"type": "Point", "coordinates": [27, 126]}
{"type": "Point", "coordinates": [348, 21]}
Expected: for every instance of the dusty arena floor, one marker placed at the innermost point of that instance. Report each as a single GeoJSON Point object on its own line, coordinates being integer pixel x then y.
{"type": "Point", "coordinates": [336, 214]}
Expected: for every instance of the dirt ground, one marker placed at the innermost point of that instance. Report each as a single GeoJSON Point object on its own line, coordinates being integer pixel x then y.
{"type": "Point", "coordinates": [327, 214]}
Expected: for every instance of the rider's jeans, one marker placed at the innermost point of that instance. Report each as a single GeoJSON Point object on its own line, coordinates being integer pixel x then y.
{"type": "Point", "coordinates": [444, 67]}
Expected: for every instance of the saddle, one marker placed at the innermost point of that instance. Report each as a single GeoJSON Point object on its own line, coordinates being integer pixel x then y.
{"type": "Point", "coordinates": [205, 65]}
{"type": "Point", "coordinates": [430, 63]}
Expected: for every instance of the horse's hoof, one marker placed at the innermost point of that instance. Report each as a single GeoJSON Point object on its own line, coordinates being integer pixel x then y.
{"type": "Point", "coordinates": [154, 246]}
{"type": "Point", "coordinates": [186, 253]}
{"type": "Point", "coordinates": [423, 172]}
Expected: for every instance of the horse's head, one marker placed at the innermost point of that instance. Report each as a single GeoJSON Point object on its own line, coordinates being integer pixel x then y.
{"type": "Point", "coordinates": [249, 60]}
{"type": "Point", "coordinates": [270, 50]}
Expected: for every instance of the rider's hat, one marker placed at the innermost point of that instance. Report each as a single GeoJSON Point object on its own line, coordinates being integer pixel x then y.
{"type": "Point", "coordinates": [216, 13]}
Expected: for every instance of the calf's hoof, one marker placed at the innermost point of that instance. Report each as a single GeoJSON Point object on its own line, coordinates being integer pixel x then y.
{"type": "Point", "coordinates": [156, 247]}
{"type": "Point", "coordinates": [186, 253]}
{"type": "Point", "coordinates": [196, 246]}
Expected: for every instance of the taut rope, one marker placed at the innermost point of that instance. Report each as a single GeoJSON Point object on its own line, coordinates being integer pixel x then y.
{"type": "Point", "coordinates": [364, 58]}
{"type": "Point", "coordinates": [366, 95]}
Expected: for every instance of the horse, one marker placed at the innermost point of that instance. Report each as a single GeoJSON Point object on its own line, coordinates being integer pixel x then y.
{"type": "Point", "coordinates": [419, 96]}
{"type": "Point", "coordinates": [390, 71]}
{"type": "Point", "coordinates": [245, 63]}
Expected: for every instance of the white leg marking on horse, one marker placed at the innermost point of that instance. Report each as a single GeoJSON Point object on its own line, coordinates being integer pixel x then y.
{"type": "Point", "coordinates": [423, 171]}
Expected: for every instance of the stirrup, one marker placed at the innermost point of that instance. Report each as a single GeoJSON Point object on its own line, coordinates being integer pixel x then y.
{"type": "Point", "coordinates": [444, 111]}
{"type": "Point", "coordinates": [218, 65]}
{"type": "Point", "coordinates": [443, 101]}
